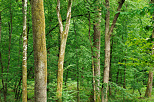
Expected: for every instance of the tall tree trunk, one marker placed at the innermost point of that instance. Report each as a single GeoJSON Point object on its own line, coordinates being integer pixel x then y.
{"type": "Point", "coordinates": [63, 39]}
{"type": "Point", "coordinates": [92, 97]}
{"type": "Point", "coordinates": [0, 51]}
{"type": "Point", "coordinates": [0, 26]}
{"type": "Point", "coordinates": [96, 54]}
{"type": "Point", "coordinates": [97, 59]}
{"type": "Point", "coordinates": [24, 60]}
{"type": "Point", "coordinates": [110, 74]}
{"type": "Point", "coordinates": [2, 68]}
{"type": "Point", "coordinates": [150, 78]}
{"type": "Point", "coordinates": [9, 51]}
{"type": "Point", "coordinates": [107, 54]}
{"type": "Point", "coordinates": [108, 33]}
{"type": "Point", "coordinates": [40, 54]}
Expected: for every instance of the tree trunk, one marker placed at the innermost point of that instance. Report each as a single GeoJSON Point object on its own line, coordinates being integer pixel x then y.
{"type": "Point", "coordinates": [92, 96]}
{"type": "Point", "coordinates": [40, 54]}
{"type": "Point", "coordinates": [1, 56]}
{"type": "Point", "coordinates": [24, 60]}
{"type": "Point", "coordinates": [108, 33]}
{"type": "Point", "coordinates": [9, 51]}
{"type": "Point", "coordinates": [0, 26]}
{"type": "Point", "coordinates": [0, 52]}
{"type": "Point", "coordinates": [63, 39]}
{"type": "Point", "coordinates": [149, 85]}
{"type": "Point", "coordinates": [107, 55]}
{"type": "Point", "coordinates": [110, 74]}
{"type": "Point", "coordinates": [96, 54]}
{"type": "Point", "coordinates": [150, 78]}
{"type": "Point", "coordinates": [97, 59]}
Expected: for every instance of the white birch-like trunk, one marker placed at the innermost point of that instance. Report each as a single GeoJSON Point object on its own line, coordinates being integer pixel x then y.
{"type": "Point", "coordinates": [24, 60]}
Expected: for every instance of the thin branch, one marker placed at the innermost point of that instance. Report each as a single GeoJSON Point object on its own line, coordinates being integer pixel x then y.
{"type": "Point", "coordinates": [116, 16]}
{"type": "Point", "coordinates": [59, 17]}
{"type": "Point", "coordinates": [68, 16]}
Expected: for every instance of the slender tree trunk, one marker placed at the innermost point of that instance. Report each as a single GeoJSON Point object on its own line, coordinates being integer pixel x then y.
{"type": "Point", "coordinates": [0, 27]}
{"type": "Point", "coordinates": [63, 39]}
{"type": "Point", "coordinates": [77, 69]}
{"type": "Point", "coordinates": [110, 74]}
{"type": "Point", "coordinates": [92, 97]}
{"type": "Point", "coordinates": [96, 54]}
{"type": "Point", "coordinates": [24, 60]}
{"type": "Point", "coordinates": [150, 78]}
{"type": "Point", "coordinates": [40, 54]}
{"type": "Point", "coordinates": [9, 51]}
{"type": "Point", "coordinates": [108, 32]}
{"type": "Point", "coordinates": [124, 84]}
{"type": "Point", "coordinates": [0, 52]}
{"type": "Point", "coordinates": [107, 54]}
{"type": "Point", "coordinates": [97, 61]}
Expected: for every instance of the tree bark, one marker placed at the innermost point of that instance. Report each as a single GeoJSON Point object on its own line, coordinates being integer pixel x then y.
{"type": "Point", "coordinates": [96, 57]}
{"type": "Point", "coordinates": [0, 52]}
{"type": "Point", "coordinates": [107, 54]}
{"type": "Point", "coordinates": [63, 39]}
{"type": "Point", "coordinates": [149, 85]}
{"type": "Point", "coordinates": [24, 60]}
{"type": "Point", "coordinates": [40, 54]}
{"type": "Point", "coordinates": [108, 33]}
{"type": "Point", "coordinates": [150, 78]}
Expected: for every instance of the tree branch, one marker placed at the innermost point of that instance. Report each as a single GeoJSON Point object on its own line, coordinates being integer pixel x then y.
{"type": "Point", "coordinates": [59, 17]}
{"type": "Point", "coordinates": [116, 16]}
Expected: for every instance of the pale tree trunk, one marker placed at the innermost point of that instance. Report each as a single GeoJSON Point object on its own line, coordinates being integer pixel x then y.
{"type": "Point", "coordinates": [24, 60]}
{"type": "Point", "coordinates": [63, 39]}
{"type": "Point", "coordinates": [40, 54]}
{"type": "Point", "coordinates": [96, 56]}
{"type": "Point", "coordinates": [108, 32]}
{"type": "Point", "coordinates": [107, 55]}
{"type": "Point", "coordinates": [150, 78]}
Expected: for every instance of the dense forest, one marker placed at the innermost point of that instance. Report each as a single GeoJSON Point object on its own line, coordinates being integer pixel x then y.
{"type": "Point", "coordinates": [76, 50]}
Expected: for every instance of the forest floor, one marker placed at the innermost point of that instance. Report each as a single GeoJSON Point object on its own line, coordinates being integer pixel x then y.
{"type": "Point", "coordinates": [128, 96]}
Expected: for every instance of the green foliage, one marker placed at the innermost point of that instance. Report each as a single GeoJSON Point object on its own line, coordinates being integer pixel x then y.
{"type": "Point", "coordinates": [131, 57]}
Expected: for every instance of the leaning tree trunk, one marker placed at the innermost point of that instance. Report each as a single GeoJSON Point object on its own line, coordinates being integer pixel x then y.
{"type": "Point", "coordinates": [108, 33]}
{"type": "Point", "coordinates": [63, 39]}
{"type": "Point", "coordinates": [40, 54]}
{"type": "Point", "coordinates": [150, 78]}
{"type": "Point", "coordinates": [24, 60]}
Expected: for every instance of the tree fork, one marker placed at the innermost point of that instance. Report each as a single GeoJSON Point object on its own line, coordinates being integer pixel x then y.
{"type": "Point", "coordinates": [63, 39]}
